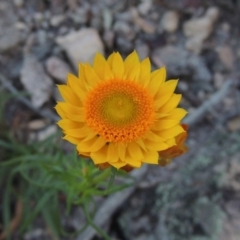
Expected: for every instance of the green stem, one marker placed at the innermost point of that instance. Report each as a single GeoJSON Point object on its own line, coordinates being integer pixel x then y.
{"type": "Point", "coordinates": [101, 177]}
{"type": "Point", "coordinates": [113, 174]}
{"type": "Point", "coordinates": [90, 221]}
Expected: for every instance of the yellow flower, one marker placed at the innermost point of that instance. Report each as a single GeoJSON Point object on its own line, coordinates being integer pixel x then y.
{"type": "Point", "coordinates": [119, 113]}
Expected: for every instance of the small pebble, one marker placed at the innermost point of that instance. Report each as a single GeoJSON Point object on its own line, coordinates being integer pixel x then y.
{"type": "Point", "coordinates": [170, 21]}
{"type": "Point", "coordinates": [18, 3]}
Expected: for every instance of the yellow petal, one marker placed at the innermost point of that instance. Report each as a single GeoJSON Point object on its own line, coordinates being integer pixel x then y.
{"type": "Point", "coordinates": [145, 72]}
{"type": "Point", "coordinates": [79, 132]}
{"type": "Point", "coordinates": [72, 140]}
{"type": "Point", "coordinates": [117, 66]}
{"type": "Point", "coordinates": [140, 142]}
{"type": "Point", "coordinates": [110, 59]}
{"type": "Point", "coordinates": [134, 73]}
{"type": "Point", "coordinates": [135, 151]}
{"type": "Point", "coordinates": [157, 80]}
{"type": "Point", "coordinates": [177, 113]}
{"type": "Point", "coordinates": [75, 84]}
{"type": "Point", "coordinates": [151, 157]}
{"type": "Point", "coordinates": [155, 146]}
{"type": "Point", "coordinates": [171, 132]}
{"type": "Point", "coordinates": [60, 112]}
{"type": "Point", "coordinates": [171, 142]}
{"type": "Point", "coordinates": [81, 72]}
{"type": "Point", "coordinates": [118, 164]}
{"type": "Point", "coordinates": [68, 95]}
{"type": "Point", "coordinates": [164, 93]}
{"type": "Point", "coordinates": [90, 76]}
{"type": "Point", "coordinates": [69, 124]}
{"type": "Point", "coordinates": [92, 145]}
{"type": "Point", "coordinates": [171, 104]}
{"type": "Point", "coordinates": [72, 112]}
{"type": "Point", "coordinates": [132, 66]}
{"type": "Point", "coordinates": [153, 136]}
{"type": "Point", "coordinates": [164, 124]}
{"type": "Point", "coordinates": [98, 65]}
{"type": "Point", "coordinates": [100, 156]}
{"type": "Point", "coordinates": [159, 115]}
{"type": "Point", "coordinates": [132, 161]}
{"type": "Point", "coordinates": [121, 150]}
{"type": "Point", "coordinates": [112, 155]}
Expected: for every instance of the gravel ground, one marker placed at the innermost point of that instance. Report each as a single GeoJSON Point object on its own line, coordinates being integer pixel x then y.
{"type": "Point", "coordinates": [197, 196]}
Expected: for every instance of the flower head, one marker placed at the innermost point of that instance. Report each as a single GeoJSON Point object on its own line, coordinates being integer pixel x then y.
{"type": "Point", "coordinates": [119, 113]}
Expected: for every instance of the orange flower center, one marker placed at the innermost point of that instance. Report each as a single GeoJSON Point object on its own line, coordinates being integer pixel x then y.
{"type": "Point", "coordinates": [119, 110]}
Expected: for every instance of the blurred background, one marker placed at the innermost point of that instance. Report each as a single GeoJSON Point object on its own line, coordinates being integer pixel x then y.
{"type": "Point", "coordinates": [196, 197]}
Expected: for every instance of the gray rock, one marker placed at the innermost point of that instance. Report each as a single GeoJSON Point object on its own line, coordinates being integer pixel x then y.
{"type": "Point", "coordinates": [198, 30]}
{"type": "Point", "coordinates": [170, 21]}
{"type": "Point", "coordinates": [144, 7]}
{"type": "Point", "coordinates": [142, 50]}
{"type": "Point", "coordinates": [108, 38]}
{"type": "Point", "coordinates": [41, 36]}
{"type": "Point", "coordinates": [10, 38]}
{"type": "Point", "coordinates": [180, 62]}
{"type": "Point", "coordinates": [81, 15]}
{"type": "Point", "coordinates": [107, 19]}
{"type": "Point", "coordinates": [123, 28]}
{"type": "Point", "coordinates": [18, 3]}
{"type": "Point", "coordinates": [35, 81]}
{"type": "Point", "coordinates": [57, 20]}
{"type": "Point", "coordinates": [124, 44]}
{"type": "Point", "coordinates": [57, 69]}
{"type": "Point", "coordinates": [81, 46]}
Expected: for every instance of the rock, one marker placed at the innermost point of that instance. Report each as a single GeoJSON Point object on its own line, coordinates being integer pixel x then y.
{"type": "Point", "coordinates": [226, 27]}
{"type": "Point", "coordinates": [10, 38]}
{"type": "Point", "coordinates": [123, 28]}
{"type": "Point", "coordinates": [81, 16]}
{"type": "Point", "coordinates": [144, 236]}
{"type": "Point", "coordinates": [144, 7]}
{"type": "Point", "coordinates": [228, 103]}
{"type": "Point", "coordinates": [108, 38]}
{"type": "Point", "coordinates": [218, 80]}
{"type": "Point", "coordinates": [145, 25]}
{"type": "Point", "coordinates": [231, 226]}
{"type": "Point", "coordinates": [37, 124]}
{"type": "Point", "coordinates": [20, 26]}
{"type": "Point", "coordinates": [124, 45]}
{"type": "Point", "coordinates": [18, 3]}
{"type": "Point", "coordinates": [170, 21]}
{"type": "Point", "coordinates": [57, 69]}
{"type": "Point", "coordinates": [39, 17]}
{"type": "Point", "coordinates": [41, 37]}
{"type": "Point", "coordinates": [183, 86]}
{"type": "Point", "coordinates": [63, 30]}
{"type": "Point", "coordinates": [37, 233]}
{"type": "Point", "coordinates": [198, 30]}
{"type": "Point", "coordinates": [96, 23]}
{"type": "Point", "coordinates": [142, 50]}
{"type": "Point", "coordinates": [226, 56]}
{"type": "Point", "coordinates": [107, 19]}
{"type": "Point", "coordinates": [35, 81]}
{"type": "Point", "coordinates": [81, 46]}
{"type": "Point", "coordinates": [57, 96]}
{"type": "Point", "coordinates": [46, 133]}
{"type": "Point", "coordinates": [124, 16]}
{"type": "Point", "coordinates": [57, 20]}
{"type": "Point", "coordinates": [181, 63]}
{"type": "Point", "coordinates": [201, 27]}
{"type": "Point", "coordinates": [234, 124]}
